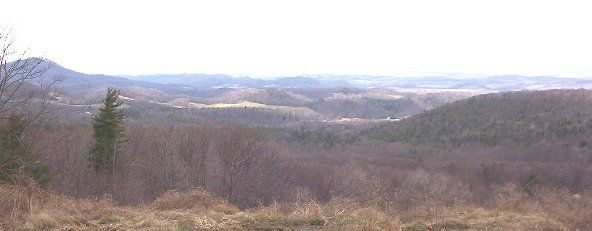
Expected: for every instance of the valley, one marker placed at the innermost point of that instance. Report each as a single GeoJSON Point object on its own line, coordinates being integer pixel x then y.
{"type": "Point", "coordinates": [328, 156]}
{"type": "Point", "coordinates": [300, 115]}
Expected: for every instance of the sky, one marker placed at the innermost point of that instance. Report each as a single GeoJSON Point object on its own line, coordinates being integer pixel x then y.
{"type": "Point", "coordinates": [287, 38]}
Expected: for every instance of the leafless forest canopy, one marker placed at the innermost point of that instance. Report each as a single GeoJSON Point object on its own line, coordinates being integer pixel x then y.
{"type": "Point", "coordinates": [410, 155]}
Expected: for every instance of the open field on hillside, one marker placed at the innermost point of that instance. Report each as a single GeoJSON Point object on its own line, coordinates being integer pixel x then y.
{"type": "Point", "coordinates": [247, 104]}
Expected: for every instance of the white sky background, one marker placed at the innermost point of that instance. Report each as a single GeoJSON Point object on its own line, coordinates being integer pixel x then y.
{"type": "Point", "coordinates": [270, 38]}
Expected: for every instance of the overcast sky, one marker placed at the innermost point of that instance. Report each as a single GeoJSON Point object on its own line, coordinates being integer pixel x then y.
{"type": "Point", "coordinates": [275, 37]}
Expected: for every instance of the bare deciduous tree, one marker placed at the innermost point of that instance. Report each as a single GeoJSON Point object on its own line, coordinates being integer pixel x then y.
{"type": "Point", "coordinates": [24, 97]}
{"type": "Point", "coordinates": [239, 150]}
{"type": "Point", "coordinates": [24, 86]}
{"type": "Point", "coordinates": [193, 147]}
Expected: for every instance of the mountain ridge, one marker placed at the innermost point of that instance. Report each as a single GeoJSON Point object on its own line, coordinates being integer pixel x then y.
{"type": "Point", "coordinates": [74, 81]}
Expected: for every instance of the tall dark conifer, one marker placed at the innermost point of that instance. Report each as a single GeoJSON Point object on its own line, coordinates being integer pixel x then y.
{"type": "Point", "coordinates": [108, 134]}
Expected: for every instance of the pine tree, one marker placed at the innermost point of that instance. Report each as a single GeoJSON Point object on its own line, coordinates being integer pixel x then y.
{"type": "Point", "coordinates": [16, 158]}
{"type": "Point", "coordinates": [108, 134]}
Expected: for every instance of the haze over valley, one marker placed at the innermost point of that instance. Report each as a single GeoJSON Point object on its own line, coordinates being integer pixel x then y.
{"type": "Point", "coordinates": [310, 97]}
{"type": "Point", "coordinates": [295, 115]}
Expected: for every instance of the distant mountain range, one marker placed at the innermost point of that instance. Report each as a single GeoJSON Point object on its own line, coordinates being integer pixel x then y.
{"type": "Point", "coordinates": [499, 83]}
{"type": "Point", "coordinates": [221, 81]}
{"type": "Point", "coordinates": [75, 82]}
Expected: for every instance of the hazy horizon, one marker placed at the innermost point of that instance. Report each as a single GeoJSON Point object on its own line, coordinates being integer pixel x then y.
{"type": "Point", "coordinates": [295, 115]}
{"type": "Point", "coordinates": [269, 39]}
{"type": "Point", "coordinates": [458, 75]}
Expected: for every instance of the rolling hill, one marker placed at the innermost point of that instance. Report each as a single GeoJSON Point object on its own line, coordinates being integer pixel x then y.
{"type": "Point", "coordinates": [331, 97]}
{"type": "Point", "coordinates": [75, 82]}
{"type": "Point", "coordinates": [520, 118]}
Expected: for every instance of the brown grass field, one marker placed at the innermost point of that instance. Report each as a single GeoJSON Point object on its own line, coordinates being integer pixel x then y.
{"type": "Point", "coordinates": [199, 210]}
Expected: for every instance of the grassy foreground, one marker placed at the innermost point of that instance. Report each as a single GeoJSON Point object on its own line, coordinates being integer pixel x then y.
{"type": "Point", "coordinates": [198, 210]}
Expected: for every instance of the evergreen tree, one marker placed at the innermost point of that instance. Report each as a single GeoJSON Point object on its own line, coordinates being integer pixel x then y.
{"type": "Point", "coordinates": [16, 158]}
{"type": "Point", "coordinates": [107, 133]}
{"type": "Point", "coordinates": [12, 154]}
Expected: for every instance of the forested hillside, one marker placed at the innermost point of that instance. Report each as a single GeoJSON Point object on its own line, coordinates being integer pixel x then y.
{"type": "Point", "coordinates": [295, 115]}
{"type": "Point", "coordinates": [285, 158]}
{"type": "Point", "coordinates": [522, 118]}
{"type": "Point", "coordinates": [77, 94]}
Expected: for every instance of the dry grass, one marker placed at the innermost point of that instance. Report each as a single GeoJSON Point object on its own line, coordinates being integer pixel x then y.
{"type": "Point", "coordinates": [503, 220]}
{"type": "Point", "coordinates": [338, 214]}
{"type": "Point", "coordinates": [195, 200]}
{"type": "Point", "coordinates": [199, 210]}
{"type": "Point", "coordinates": [481, 219]}
{"type": "Point", "coordinates": [558, 205]}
